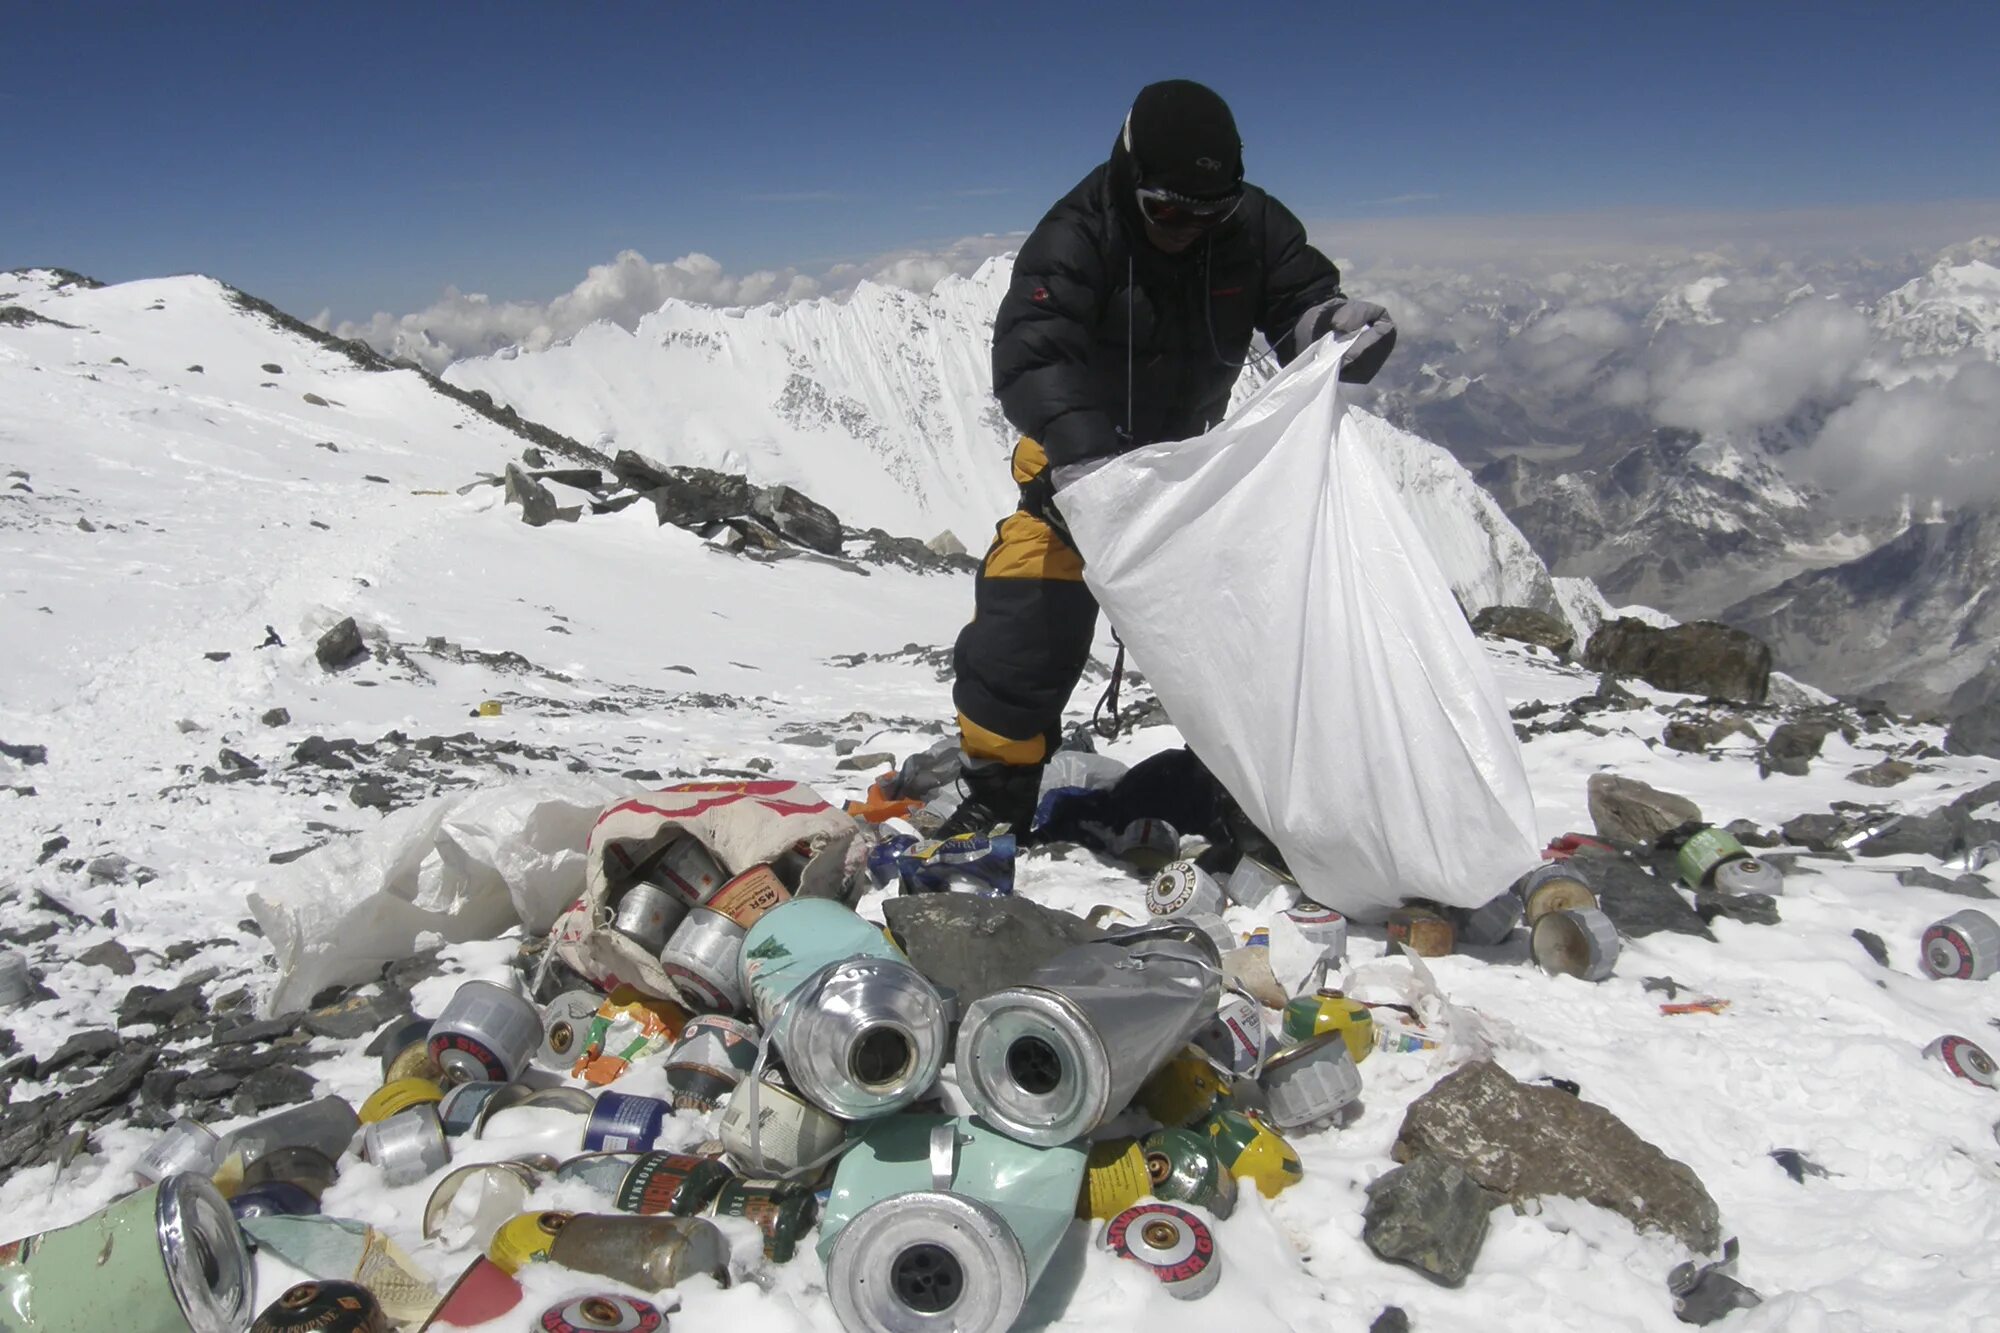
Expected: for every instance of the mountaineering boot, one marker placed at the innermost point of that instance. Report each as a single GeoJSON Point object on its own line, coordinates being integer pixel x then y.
{"type": "Point", "coordinates": [998, 798]}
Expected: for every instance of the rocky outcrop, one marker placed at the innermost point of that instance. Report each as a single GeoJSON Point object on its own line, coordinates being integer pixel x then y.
{"type": "Point", "coordinates": [1705, 658]}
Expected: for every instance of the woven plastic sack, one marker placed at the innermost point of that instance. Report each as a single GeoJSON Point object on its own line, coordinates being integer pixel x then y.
{"type": "Point", "coordinates": [1268, 579]}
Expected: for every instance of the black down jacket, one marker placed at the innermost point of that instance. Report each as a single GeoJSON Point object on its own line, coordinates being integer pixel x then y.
{"type": "Point", "coordinates": [1088, 288]}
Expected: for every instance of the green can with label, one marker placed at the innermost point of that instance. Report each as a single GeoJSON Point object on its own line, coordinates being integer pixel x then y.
{"type": "Point", "coordinates": [1701, 854]}
{"type": "Point", "coordinates": [784, 1210]}
{"type": "Point", "coordinates": [166, 1259]}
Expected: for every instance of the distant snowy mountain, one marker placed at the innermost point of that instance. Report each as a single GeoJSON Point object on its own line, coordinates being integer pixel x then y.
{"type": "Point", "coordinates": [881, 406]}
{"type": "Point", "coordinates": [1952, 310]}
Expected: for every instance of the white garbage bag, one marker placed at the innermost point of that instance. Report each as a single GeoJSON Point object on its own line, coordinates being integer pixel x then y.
{"type": "Point", "coordinates": [460, 867]}
{"type": "Point", "coordinates": [1269, 581]}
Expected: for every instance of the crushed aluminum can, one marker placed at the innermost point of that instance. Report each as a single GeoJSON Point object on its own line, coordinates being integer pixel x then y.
{"type": "Point", "coordinates": [607, 1313]}
{"type": "Point", "coordinates": [275, 1199]}
{"type": "Point", "coordinates": [1183, 886]}
{"type": "Point", "coordinates": [565, 1025]}
{"type": "Point", "coordinates": [323, 1307]}
{"type": "Point", "coordinates": [1422, 931]}
{"type": "Point", "coordinates": [677, 1183]}
{"type": "Point", "coordinates": [485, 1032]}
{"type": "Point", "coordinates": [1310, 1082]}
{"type": "Point", "coordinates": [623, 1123]}
{"type": "Point", "coordinates": [985, 863]}
{"type": "Point", "coordinates": [1114, 1178]}
{"type": "Point", "coordinates": [1557, 887]}
{"type": "Point", "coordinates": [1982, 855]}
{"type": "Point", "coordinates": [1964, 946]}
{"type": "Point", "coordinates": [396, 1096]}
{"type": "Point", "coordinates": [1184, 1167]}
{"type": "Point", "coordinates": [860, 1031]}
{"type": "Point", "coordinates": [713, 1055]}
{"type": "Point", "coordinates": [685, 868]}
{"type": "Point", "coordinates": [1147, 845]}
{"type": "Point", "coordinates": [646, 915]}
{"type": "Point", "coordinates": [1581, 943]}
{"type": "Point", "coordinates": [1965, 1060]}
{"type": "Point", "coordinates": [461, 1110]}
{"type": "Point", "coordinates": [650, 1253]}
{"type": "Point", "coordinates": [1322, 926]}
{"type": "Point", "coordinates": [1171, 1243]}
{"type": "Point", "coordinates": [1051, 1059]}
{"type": "Point", "coordinates": [503, 1189]}
{"type": "Point", "coordinates": [782, 1209]}
{"type": "Point", "coordinates": [188, 1145]}
{"type": "Point", "coordinates": [1254, 884]}
{"type": "Point", "coordinates": [406, 1050]}
{"type": "Point", "coordinates": [746, 898]}
{"type": "Point", "coordinates": [526, 1238]}
{"type": "Point", "coordinates": [1235, 1037]}
{"type": "Point", "coordinates": [1490, 923]}
{"type": "Point", "coordinates": [168, 1258]}
{"type": "Point", "coordinates": [1182, 1090]}
{"type": "Point", "coordinates": [408, 1146]}
{"type": "Point", "coordinates": [788, 1136]}
{"type": "Point", "coordinates": [1749, 875]}
{"type": "Point", "coordinates": [16, 983]}
{"type": "Point", "coordinates": [702, 958]}
{"type": "Point", "coordinates": [1704, 1293]}
{"type": "Point", "coordinates": [1251, 1150]}
{"type": "Point", "coordinates": [1708, 848]}
{"type": "Point", "coordinates": [300, 1165]}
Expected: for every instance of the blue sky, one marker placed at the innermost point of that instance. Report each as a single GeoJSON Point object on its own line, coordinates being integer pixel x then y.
{"type": "Point", "coordinates": [363, 156]}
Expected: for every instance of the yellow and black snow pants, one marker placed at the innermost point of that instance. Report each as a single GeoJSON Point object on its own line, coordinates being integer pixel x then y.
{"type": "Point", "coordinates": [1032, 624]}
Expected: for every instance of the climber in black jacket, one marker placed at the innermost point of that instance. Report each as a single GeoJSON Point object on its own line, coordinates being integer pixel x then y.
{"type": "Point", "coordinates": [1127, 322]}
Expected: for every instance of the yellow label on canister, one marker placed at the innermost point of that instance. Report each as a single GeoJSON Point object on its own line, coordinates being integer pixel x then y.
{"type": "Point", "coordinates": [489, 708]}
{"type": "Point", "coordinates": [1251, 1150]}
{"type": "Point", "coordinates": [1329, 1011]}
{"type": "Point", "coordinates": [398, 1095]}
{"type": "Point", "coordinates": [1114, 1178]}
{"type": "Point", "coordinates": [525, 1238]}
{"type": "Point", "coordinates": [1182, 1091]}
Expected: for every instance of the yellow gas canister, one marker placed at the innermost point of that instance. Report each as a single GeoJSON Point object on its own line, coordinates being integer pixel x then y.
{"type": "Point", "coordinates": [1115, 1177]}
{"type": "Point", "coordinates": [1182, 1090]}
{"type": "Point", "coordinates": [398, 1094]}
{"type": "Point", "coordinates": [1307, 1016]}
{"type": "Point", "coordinates": [525, 1238]}
{"type": "Point", "coordinates": [1253, 1151]}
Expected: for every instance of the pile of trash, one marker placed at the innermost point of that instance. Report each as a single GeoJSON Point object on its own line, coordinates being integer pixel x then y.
{"type": "Point", "coordinates": [712, 1038]}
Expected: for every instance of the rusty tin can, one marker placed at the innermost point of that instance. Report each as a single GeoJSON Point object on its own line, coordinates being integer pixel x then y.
{"type": "Point", "coordinates": [1423, 931]}
{"type": "Point", "coordinates": [650, 1253]}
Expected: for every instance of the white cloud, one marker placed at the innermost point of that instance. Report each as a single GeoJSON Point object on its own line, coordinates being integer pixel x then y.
{"type": "Point", "coordinates": [1927, 439]}
{"type": "Point", "coordinates": [1808, 353]}
{"type": "Point", "coordinates": [625, 290]}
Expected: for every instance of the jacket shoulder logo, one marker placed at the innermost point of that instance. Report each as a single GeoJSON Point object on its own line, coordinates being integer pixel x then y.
{"type": "Point", "coordinates": [1039, 294]}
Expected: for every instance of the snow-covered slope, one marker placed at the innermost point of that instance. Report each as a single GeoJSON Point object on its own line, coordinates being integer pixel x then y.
{"type": "Point", "coordinates": [1951, 310]}
{"type": "Point", "coordinates": [881, 406]}
{"type": "Point", "coordinates": [878, 405]}
{"type": "Point", "coordinates": [154, 520]}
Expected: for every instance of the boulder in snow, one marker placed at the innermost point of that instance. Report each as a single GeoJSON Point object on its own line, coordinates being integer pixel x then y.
{"type": "Point", "coordinates": [1628, 810]}
{"type": "Point", "coordinates": [1430, 1215]}
{"type": "Point", "coordinates": [340, 646]}
{"type": "Point", "coordinates": [1706, 657]}
{"type": "Point", "coordinates": [1525, 625]}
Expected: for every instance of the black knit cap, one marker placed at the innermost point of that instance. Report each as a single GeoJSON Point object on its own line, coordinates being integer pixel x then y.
{"type": "Point", "coordinates": [1184, 139]}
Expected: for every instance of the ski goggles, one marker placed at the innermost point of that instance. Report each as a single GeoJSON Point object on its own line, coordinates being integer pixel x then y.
{"type": "Point", "coordinates": [1164, 208]}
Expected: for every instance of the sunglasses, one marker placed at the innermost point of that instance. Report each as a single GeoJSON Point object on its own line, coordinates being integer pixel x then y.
{"type": "Point", "coordinates": [1164, 208]}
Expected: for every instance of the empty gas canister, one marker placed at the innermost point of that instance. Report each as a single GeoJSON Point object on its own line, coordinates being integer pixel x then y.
{"type": "Point", "coordinates": [1251, 1150]}
{"type": "Point", "coordinates": [1308, 1016]}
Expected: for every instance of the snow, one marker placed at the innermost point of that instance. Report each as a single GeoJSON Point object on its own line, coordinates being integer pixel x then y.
{"type": "Point", "coordinates": [646, 650]}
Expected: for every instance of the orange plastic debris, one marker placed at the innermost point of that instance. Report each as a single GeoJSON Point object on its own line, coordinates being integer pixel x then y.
{"type": "Point", "coordinates": [1709, 1006]}
{"type": "Point", "coordinates": [878, 807]}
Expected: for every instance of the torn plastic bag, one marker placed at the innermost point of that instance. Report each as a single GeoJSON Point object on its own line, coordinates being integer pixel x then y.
{"type": "Point", "coordinates": [742, 824]}
{"type": "Point", "coordinates": [1294, 621]}
{"type": "Point", "coordinates": [466, 866]}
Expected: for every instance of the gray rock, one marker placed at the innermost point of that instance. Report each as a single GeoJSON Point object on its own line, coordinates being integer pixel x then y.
{"type": "Point", "coordinates": [1752, 909]}
{"type": "Point", "coordinates": [1872, 942]}
{"type": "Point", "coordinates": [1627, 810]}
{"type": "Point", "coordinates": [279, 1085]}
{"type": "Point", "coordinates": [1525, 625]}
{"type": "Point", "coordinates": [207, 1086]}
{"type": "Point", "coordinates": [1888, 773]}
{"type": "Point", "coordinates": [85, 1048]}
{"type": "Point", "coordinates": [946, 544]}
{"type": "Point", "coordinates": [111, 868]}
{"type": "Point", "coordinates": [1792, 747]}
{"type": "Point", "coordinates": [110, 955]}
{"type": "Point", "coordinates": [1821, 832]}
{"type": "Point", "coordinates": [273, 368]}
{"type": "Point", "coordinates": [162, 1008]}
{"type": "Point", "coordinates": [1686, 737]}
{"type": "Point", "coordinates": [977, 945]}
{"type": "Point", "coordinates": [863, 763]}
{"type": "Point", "coordinates": [538, 503]}
{"type": "Point", "coordinates": [371, 796]}
{"type": "Point", "coordinates": [1430, 1215]}
{"type": "Point", "coordinates": [639, 472]}
{"type": "Point", "coordinates": [1944, 834]}
{"type": "Point", "coordinates": [316, 400]}
{"type": "Point", "coordinates": [1391, 1320]}
{"type": "Point", "coordinates": [116, 1087]}
{"type": "Point", "coordinates": [1749, 834]}
{"type": "Point", "coordinates": [340, 646]}
{"type": "Point", "coordinates": [1705, 657]}
{"type": "Point", "coordinates": [269, 1029]}
{"type": "Point", "coordinates": [1639, 902]}
{"type": "Point", "coordinates": [354, 1016]}
{"type": "Point", "coordinates": [29, 755]}
{"type": "Point", "coordinates": [276, 717]}
{"type": "Point", "coordinates": [320, 751]}
{"type": "Point", "coordinates": [1964, 886]}
{"type": "Point", "coordinates": [1526, 1142]}
{"type": "Point", "coordinates": [800, 519]}
{"type": "Point", "coordinates": [694, 497]}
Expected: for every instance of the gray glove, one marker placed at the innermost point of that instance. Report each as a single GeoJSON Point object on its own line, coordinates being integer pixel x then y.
{"type": "Point", "coordinates": [1344, 317]}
